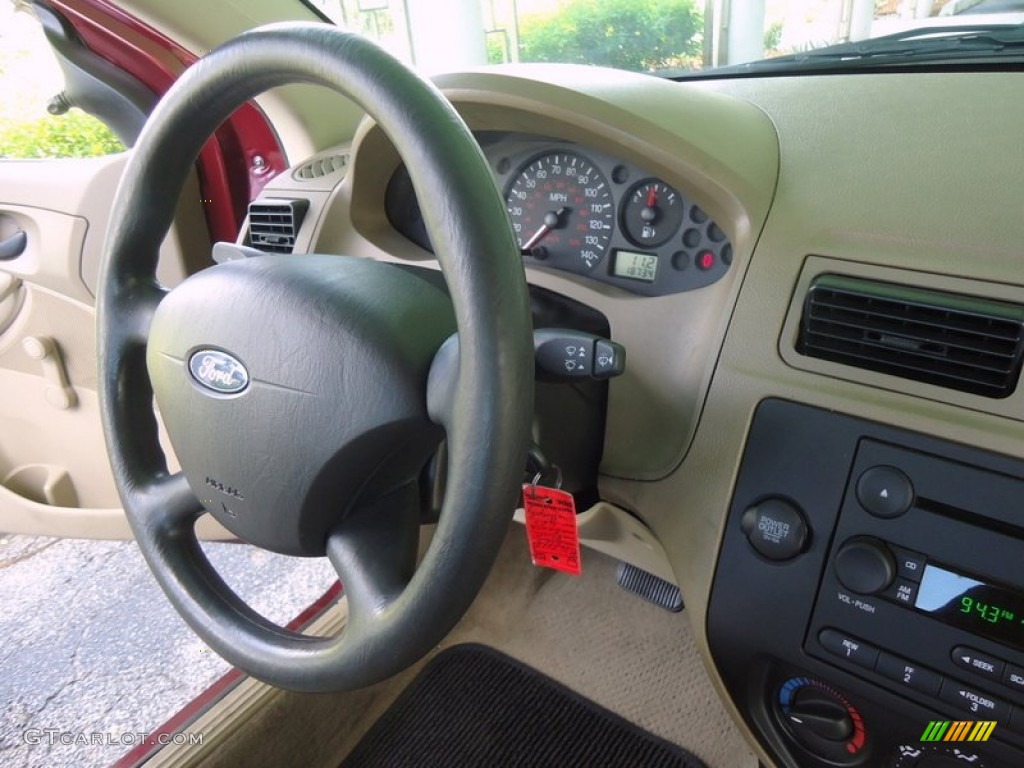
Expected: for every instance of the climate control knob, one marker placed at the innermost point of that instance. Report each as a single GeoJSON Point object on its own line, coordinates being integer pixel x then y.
{"type": "Point", "coordinates": [816, 711]}
{"type": "Point", "coordinates": [822, 720]}
{"type": "Point", "coordinates": [865, 565]}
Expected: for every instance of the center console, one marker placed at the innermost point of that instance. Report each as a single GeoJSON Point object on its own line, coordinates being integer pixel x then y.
{"type": "Point", "coordinates": [868, 607]}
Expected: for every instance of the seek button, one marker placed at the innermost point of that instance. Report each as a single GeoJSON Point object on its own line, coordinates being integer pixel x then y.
{"type": "Point", "coordinates": [977, 662]}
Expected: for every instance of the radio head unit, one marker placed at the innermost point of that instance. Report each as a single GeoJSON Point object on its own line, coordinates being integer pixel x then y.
{"type": "Point", "coordinates": [903, 608]}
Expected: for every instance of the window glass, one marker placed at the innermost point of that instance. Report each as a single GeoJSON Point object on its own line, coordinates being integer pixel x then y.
{"type": "Point", "coordinates": [661, 36]}
{"type": "Point", "coordinates": [30, 78]}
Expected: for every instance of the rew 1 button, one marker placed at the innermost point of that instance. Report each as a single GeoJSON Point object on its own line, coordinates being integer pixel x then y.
{"type": "Point", "coordinates": [860, 653]}
{"type": "Point", "coordinates": [776, 528]}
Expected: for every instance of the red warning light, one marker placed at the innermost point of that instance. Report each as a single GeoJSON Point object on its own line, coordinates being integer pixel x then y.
{"type": "Point", "coordinates": [706, 260]}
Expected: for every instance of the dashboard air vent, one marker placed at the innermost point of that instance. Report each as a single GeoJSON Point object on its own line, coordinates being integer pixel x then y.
{"type": "Point", "coordinates": [319, 167]}
{"type": "Point", "coordinates": [950, 340]}
{"type": "Point", "coordinates": [274, 223]}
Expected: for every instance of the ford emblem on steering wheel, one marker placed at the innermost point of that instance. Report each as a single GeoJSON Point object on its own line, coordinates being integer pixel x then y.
{"type": "Point", "coordinates": [218, 371]}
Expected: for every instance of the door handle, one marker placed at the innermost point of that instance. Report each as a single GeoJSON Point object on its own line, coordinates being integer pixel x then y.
{"type": "Point", "coordinates": [12, 247]}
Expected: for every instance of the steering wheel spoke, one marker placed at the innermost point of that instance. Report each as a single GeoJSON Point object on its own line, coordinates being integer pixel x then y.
{"type": "Point", "coordinates": [374, 552]}
{"type": "Point", "coordinates": [168, 502]}
{"type": "Point", "coordinates": [137, 304]}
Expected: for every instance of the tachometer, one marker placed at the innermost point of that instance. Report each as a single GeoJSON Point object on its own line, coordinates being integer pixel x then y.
{"type": "Point", "coordinates": [561, 209]}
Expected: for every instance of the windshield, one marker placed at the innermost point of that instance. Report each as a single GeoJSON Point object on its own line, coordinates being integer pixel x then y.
{"type": "Point", "coordinates": [657, 36]}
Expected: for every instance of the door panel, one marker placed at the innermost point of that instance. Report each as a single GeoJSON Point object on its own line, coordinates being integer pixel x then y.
{"type": "Point", "coordinates": [46, 232]}
{"type": "Point", "coordinates": [54, 475]}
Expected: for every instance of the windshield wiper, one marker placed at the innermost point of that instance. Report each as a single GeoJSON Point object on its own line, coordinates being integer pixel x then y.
{"type": "Point", "coordinates": [924, 44]}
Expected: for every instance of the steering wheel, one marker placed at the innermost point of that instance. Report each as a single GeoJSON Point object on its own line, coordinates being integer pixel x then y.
{"type": "Point", "coordinates": [294, 389]}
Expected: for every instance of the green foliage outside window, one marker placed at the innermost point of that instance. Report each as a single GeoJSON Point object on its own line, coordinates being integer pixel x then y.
{"type": "Point", "coordinates": [773, 36]}
{"type": "Point", "coordinates": [75, 134]}
{"type": "Point", "coordinates": [628, 34]}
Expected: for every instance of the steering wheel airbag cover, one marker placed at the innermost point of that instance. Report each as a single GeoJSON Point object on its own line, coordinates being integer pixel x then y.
{"type": "Point", "coordinates": [303, 395]}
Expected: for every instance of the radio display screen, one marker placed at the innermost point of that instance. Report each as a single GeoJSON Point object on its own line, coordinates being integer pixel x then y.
{"type": "Point", "coordinates": [973, 605]}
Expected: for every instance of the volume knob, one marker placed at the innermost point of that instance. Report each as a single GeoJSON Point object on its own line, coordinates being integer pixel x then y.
{"type": "Point", "coordinates": [865, 565]}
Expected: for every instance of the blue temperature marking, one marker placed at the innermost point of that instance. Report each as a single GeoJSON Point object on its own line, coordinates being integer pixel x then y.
{"type": "Point", "coordinates": [789, 688]}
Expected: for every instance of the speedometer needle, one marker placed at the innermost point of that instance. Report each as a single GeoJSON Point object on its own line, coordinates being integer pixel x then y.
{"type": "Point", "coordinates": [551, 220]}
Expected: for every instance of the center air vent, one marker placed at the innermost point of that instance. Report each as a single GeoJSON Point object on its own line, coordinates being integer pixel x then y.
{"type": "Point", "coordinates": [954, 341]}
{"type": "Point", "coordinates": [274, 223]}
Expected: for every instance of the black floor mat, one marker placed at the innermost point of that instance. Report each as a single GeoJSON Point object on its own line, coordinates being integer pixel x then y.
{"type": "Point", "coordinates": [472, 706]}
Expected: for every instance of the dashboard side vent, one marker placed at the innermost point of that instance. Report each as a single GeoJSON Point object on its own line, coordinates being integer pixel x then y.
{"type": "Point", "coordinates": [274, 223]}
{"type": "Point", "coordinates": [319, 167]}
{"type": "Point", "coordinates": [950, 340]}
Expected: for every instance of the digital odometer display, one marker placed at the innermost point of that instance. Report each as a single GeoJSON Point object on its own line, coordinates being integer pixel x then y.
{"type": "Point", "coordinates": [636, 266]}
{"type": "Point", "coordinates": [971, 604]}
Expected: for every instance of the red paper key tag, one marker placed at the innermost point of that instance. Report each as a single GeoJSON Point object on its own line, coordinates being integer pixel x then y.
{"type": "Point", "coordinates": [551, 528]}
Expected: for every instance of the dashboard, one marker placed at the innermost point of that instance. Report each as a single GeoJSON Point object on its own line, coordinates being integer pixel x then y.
{"type": "Point", "coordinates": [740, 448]}
{"type": "Point", "coordinates": [579, 210]}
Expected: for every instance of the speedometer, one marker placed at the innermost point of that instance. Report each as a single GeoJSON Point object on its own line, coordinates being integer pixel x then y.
{"type": "Point", "coordinates": [561, 209]}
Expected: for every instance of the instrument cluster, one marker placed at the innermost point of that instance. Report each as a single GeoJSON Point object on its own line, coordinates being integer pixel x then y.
{"type": "Point", "coordinates": [582, 211]}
